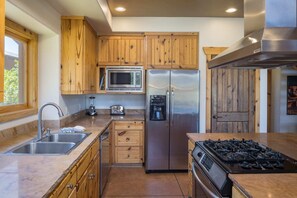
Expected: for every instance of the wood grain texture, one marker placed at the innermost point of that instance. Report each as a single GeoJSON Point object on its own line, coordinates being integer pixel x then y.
{"type": "Point", "coordinates": [13, 112]}
{"type": "Point", "coordinates": [79, 56]}
{"type": "Point", "coordinates": [2, 30]}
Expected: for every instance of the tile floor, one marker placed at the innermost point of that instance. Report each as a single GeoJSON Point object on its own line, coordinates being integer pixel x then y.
{"type": "Point", "coordinates": [134, 182]}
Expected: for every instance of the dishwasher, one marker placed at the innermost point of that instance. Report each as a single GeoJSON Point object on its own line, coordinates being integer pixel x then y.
{"type": "Point", "coordinates": [104, 159]}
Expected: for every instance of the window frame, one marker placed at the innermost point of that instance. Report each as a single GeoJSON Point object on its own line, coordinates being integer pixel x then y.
{"type": "Point", "coordinates": [13, 112]}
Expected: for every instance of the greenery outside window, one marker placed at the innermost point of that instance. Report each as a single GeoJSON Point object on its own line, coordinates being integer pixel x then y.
{"type": "Point", "coordinates": [18, 75]}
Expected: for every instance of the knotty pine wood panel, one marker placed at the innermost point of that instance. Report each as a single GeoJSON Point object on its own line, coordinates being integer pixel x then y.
{"type": "Point", "coordinates": [109, 50]}
{"type": "Point", "coordinates": [132, 50]}
{"type": "Point", "coordinates": [158, 52]}
{"type": "Point", "coordinates": [185, 52]}
{"type": "Point", "coordinates": [90, 60]}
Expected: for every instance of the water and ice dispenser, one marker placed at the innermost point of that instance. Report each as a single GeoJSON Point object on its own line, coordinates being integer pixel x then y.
{"type": "Point", "coordinates": [157, 107]}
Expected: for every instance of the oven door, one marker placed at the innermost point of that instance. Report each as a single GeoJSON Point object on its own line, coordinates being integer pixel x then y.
{"type": "Point", "coordinates": [202, 186]}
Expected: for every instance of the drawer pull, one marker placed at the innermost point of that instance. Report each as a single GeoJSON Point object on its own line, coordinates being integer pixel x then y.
{"type": "Point", "coordinates": [122, 133]}
{"type": "Point", "coordinates": [70, 186]}
{"type": "Point", "coordinates": [91, 176]}
{"type": "Point", "coordinates": [127, 139]}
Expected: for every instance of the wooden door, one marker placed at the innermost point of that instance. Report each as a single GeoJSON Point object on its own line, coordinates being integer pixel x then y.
{"type": "Point", "coordinates": [132, 50]}
{"type": "Point", "coordinates": [158, 51]}
{"type": "Point", "coordinates": [90, 58]}
{"type": "Point", "coordinates": [232, 100]}
{"type": "Point", "coordinates": [185, 51]}
{"type": "Point", "coordinates": [109, 50]}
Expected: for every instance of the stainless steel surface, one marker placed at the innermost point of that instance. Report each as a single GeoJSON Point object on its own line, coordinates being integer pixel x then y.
{"type": "Point", "coordinates": [117, 110]}
{"type": "Point", "coordinates": [65, 137]}
{"type": "Point", "coordinates": [121, 83]}
{"type": "Point", "coordinates": [104, 159]}
{"type": "Point", "coordinates": [166, 141]}
{"type": "Point", "coordinates": [271, 37]}
{"type": "Point", "coordinates": [40, 124]}
{"type": "Point", "coordinates": [201, 181]}
{"type": "Point", "coordinates": [157, 132]}
{"type": "Point", "coordinates": [44, 148]}
{"type": "Point", "coordinates": [184, 114]}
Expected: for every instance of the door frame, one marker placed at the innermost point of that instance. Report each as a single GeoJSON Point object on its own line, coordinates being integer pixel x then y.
{"type": "Point", "coordinates": [210, 52]}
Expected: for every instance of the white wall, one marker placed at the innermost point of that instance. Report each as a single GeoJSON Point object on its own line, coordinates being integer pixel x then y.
{"type": "Point", "coordinates": [44, 20]}
{"type": "Point", "coordinates": [281, 122]}
{"type": "Point", "coordinates": [213, 32]}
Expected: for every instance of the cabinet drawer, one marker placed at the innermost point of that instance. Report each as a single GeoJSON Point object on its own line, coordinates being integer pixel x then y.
{"type": "Point", "coordinates": [94, 149]}
{"type": "Point", "coordinates": [133, 125]}
{"type": "Point", "coordinates": [128, 138]}
{"type": "Point", "coordinates": [83, 163]}
{"type": "Point", "coordinates": [67, 185]}
{"type": "Point", "coordinates": [126, 154]}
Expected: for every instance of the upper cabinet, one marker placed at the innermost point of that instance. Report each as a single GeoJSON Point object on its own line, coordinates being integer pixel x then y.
{"type": "Point", "coordinates": [172, 51]}
{"type": "Point", "coordinates": [121, 50]}
{"type": "Point", "coordinates": [79, 56]}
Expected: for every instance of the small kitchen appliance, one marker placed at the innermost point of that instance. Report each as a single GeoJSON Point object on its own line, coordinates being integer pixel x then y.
{"type": "Point", "coordinates": [214, 160]}
{"type": "Point", "coordinates": [117, 110]}
{"type": "Point", "coordinates": [92, 109]}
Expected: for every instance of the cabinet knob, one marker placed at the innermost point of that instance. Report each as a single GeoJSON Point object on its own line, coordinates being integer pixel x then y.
{"type": "Point", "coordinates": [70, 186]}
{"type": "Point", "coordinates": [122, 133]}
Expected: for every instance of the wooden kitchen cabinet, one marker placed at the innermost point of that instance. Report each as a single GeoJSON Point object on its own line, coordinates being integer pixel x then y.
{"type": "Point", "coordinates": [121, 50]}
{"type": "Point", "coordinates": [191, 146]}
{"type": "Point", "coordinates": [172, 51]}
{"type": "Point", "coordinates": [128, 142]}
{"type": "Point", "coordinates": [83, 179]}
{"type": "Point", "coordinates": [79, 56]}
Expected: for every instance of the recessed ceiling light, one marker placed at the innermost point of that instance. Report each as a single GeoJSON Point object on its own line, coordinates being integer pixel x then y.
{"type": "Point", "coordinates": [120, 9]}
{"type": "Point", "coordinates": [231, 10]}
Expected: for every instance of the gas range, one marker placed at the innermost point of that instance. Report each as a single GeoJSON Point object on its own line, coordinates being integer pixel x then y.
{"type": "Point", "coordinates": [218, 158]}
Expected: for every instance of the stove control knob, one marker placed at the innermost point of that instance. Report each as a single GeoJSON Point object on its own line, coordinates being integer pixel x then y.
{"type": "Point", "coordinates": [200, 154]}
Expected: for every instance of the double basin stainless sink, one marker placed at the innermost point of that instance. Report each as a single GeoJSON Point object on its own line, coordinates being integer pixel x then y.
{"type": "Point", "coordinates": [54, 144]}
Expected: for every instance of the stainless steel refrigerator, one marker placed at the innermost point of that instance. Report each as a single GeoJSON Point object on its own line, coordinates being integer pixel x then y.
{"type": "Point", "coordinates": [172, 110]}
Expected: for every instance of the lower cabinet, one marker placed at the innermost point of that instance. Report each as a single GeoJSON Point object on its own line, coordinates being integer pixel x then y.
{"type": "Point", "coordinates": [83, 180]}
{"type": "Point", "coordinates": [128, 142]}
{"type": "Point", "coordinates": [191, 146]}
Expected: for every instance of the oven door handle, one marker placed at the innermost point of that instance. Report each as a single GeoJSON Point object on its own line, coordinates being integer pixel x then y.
{"type": "Point", "coordinates": [208, 191]}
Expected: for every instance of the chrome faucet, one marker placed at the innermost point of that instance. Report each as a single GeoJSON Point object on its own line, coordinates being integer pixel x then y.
{"type": "Point", "coordinates": [40, 125]}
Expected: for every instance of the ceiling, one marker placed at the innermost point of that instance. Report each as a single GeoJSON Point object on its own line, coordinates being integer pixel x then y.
{"type": "Point", "coordinates": [100, 12]}
{"type": "Point", "coordinates": [176, 8]}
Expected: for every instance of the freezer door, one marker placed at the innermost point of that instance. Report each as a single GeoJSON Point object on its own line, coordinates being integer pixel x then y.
{"type": "Point", "coordinates": [184, 115]}
{"type": "Point", "coordinates": [157, 131]}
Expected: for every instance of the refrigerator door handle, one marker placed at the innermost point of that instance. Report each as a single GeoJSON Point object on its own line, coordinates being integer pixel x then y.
{"type": "Point", "coordinates": [172, 107]}
{"type": "Point", "coordinates": [167, 104]}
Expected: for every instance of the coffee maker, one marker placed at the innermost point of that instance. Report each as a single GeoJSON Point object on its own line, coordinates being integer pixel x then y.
{"type": "Point", "coordinates": [158, 107]}
{"type": "Point", "coordinates": [92, 109]}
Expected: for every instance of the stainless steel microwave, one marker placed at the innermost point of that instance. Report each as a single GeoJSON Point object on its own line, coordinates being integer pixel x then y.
{"type": "Point", "coordinates": [124, 79]}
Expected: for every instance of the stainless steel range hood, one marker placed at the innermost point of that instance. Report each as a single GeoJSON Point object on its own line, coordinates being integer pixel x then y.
{"type": "Point", "coordinates": [271, 37]}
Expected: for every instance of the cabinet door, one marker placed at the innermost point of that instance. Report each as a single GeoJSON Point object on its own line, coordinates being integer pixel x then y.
{"type": "Point", "coordinates": [132, 48]}
{"type": "Point", "coordinates": [185, 52]}
{"type": "Point", "coordinates": [90, 58]}
{"type": "Point", "coordinates": [158, 52]}
{"type": "Point", "coordinates": [109, 50]}
{"type": "Point", "coordinates": [82, 190]}
{"type": "Point", "coordinates": [93, 178]}
{"type": "Point", "coordinates": [72, 56]}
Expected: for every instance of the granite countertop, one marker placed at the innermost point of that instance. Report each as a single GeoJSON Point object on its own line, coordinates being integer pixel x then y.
{"type": "Point", "coordinates": [262, 185]}
{"type": "Point", "coordinates": [38, 175]}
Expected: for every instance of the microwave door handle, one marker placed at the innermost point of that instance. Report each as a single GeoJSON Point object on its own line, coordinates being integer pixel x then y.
{"type": "Point", "coordinates": [208, 191]}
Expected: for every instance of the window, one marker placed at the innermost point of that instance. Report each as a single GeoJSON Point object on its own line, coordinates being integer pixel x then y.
{"type": "Point", "coordinates": [18, 74]}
